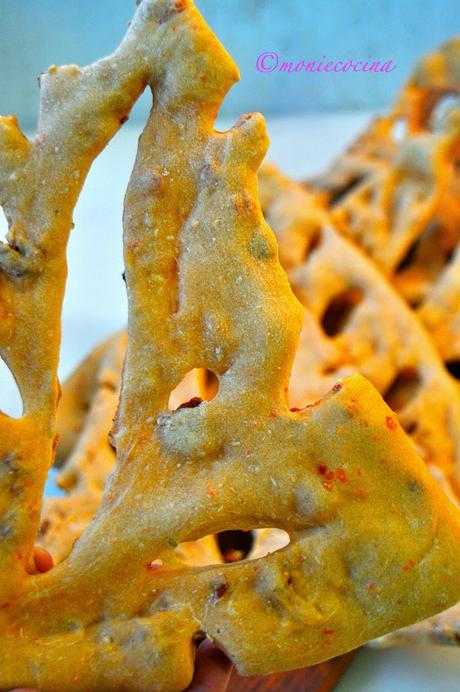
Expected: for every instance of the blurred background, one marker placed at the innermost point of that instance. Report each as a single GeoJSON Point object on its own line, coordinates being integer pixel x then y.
{"type": "Point", "coordinates": [310, 117]}
{"type": "Point", "coordinates": [37, 33]}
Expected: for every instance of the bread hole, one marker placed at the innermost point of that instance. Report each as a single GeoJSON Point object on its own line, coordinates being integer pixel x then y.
{"type": "Point", "coordinates": [343, 190]}
{"type": "Point", "coordinates": [409, 257]}
{"type": "Point", "coordinates": [453, 366]}
{"type": "Point", "coordinates": [198, 385]}
{"type": "Point", "coordinates": [449, 254]}
{"type": "Point", "coordinates": [443, 110]}
{"type": "Point", "coordinates": [235, 545]}
{"type": "Point", "coordinates": [10, 398]}
{"type": "Point", "coordinates": [230, 546]}
{"type": "Point", "coordinates": [329, 368]}
{"type": "Point", "coordinates": [403, 389]}
{"type": "Point", "coordinates": [410, 428]}
{"type": "Point", "coordinates": [430, 253]}
{"type": "Point", "coordinates": [313, 242]}
{"type": "Point", "coordinates": [4, 226]}
{"type": "Point", "coordinates": [339, 311]}
{"type": "Point", "coordinates": [399, 130]}
{"type": "Point", "coordinates": [367, 194]}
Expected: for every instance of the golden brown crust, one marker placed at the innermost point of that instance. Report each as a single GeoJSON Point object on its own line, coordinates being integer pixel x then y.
{"type": "Point", "coordinates": [397, 196]}
{"type": "Point", "coordinates": [80, 110]}
{"type": "Point", "coordinates": [85, 415]}
{"type": "Point", "coordinates": [380, 341]}
{"type": "Point", "coordinates": [205, 289]}
{"type": "Point", "coordinates": [367, 155]}
{"type": "Point", "coordinates": [355, 322]}
{"type": "Point", "coordinates": [435, 76]}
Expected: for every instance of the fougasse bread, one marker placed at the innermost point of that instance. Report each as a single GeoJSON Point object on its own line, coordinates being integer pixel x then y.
{"type": "Point", "coordinates": [372, 537]}
{"type": "Point", "coordinates": [427, 271]}
{"type": "Point", "coordinates": [406, 216]}
{"type": "Point", "coordinates": [375, 334]}
{"type": "Point", "coordinates": [421, 107]}
{"type": "Point", "coordinates": [396, 192]}
{"type": "Point", "coordinates": [86, 410]}
{"type": "Point", "coordinates": [355, 322]}
{"type": "Point", "coordinates": [434, 80]}
{"type": "Point", "coordinates": [85, 414]}
{"type": "Point", "coordinates": [366, 156]}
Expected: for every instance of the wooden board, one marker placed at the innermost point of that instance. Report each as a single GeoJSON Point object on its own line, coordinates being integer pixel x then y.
{"type": "Point", "coordinates": [320, 678]}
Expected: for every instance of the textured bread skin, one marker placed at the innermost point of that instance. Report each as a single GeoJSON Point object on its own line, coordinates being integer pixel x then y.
{"type": "Point", "coordinates": [376, 334]}
{"type": "Point", "coordinates": [396, 193]}
{"type": "Point", "coordinates": [372, 537]}
{"type": "Point", "coordinates": [85, 415]}
{"type": "Point", "coordinates": [381, 338]}
{"type": "Point", "coordinates": [395, 342]}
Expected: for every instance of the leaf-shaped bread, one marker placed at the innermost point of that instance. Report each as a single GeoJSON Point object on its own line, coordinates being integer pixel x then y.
{"type": "Point", "coordinates": [372, 538]}
{"type": "Point", "coordinates": [396, 192]}
{"type": "Point", "coordinates": [355, 322]}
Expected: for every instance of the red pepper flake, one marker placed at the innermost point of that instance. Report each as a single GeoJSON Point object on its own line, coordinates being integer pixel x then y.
{"type": "Point", "coordinates": [341, 475]}
{"type": "Point", "coordinates": [295, 409]}
{"type": "Point", "coordinates": [212, 492]}
{"type": "Point", "coordinates": [330, 475]}
{"type": "Point", "coordinates": [273, 414]}
{"type": "Point", "coordinates": [408, 565]}
{"type": "Point", "coordinates": [19, 556]}
{"type": "Point", "coordinates": [359, 472]}
{"type": "Point", "coordinates": [337, 387]}
{"type": "Point", "coordinates": [328, 631]}
{"type": "Point", "coordinates": [360, 494]}
{"type": "Point", "coordinates": [322, 469]}
{"type": "Point", "coordinates": [154, 565]}
{"type": "Point", "coordinates": [15, 631]}
{"type": "Point", "coordinates": [371, 586]}
{"type": "Point", "coordinates": [390, 423]}
{"type": "Point", "coordinates": [327, 485]}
